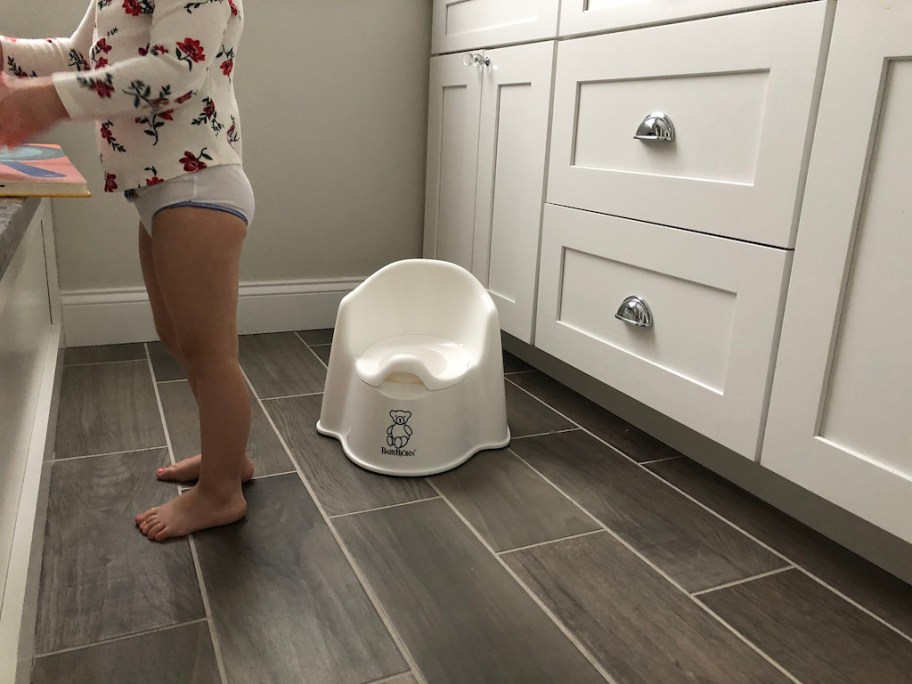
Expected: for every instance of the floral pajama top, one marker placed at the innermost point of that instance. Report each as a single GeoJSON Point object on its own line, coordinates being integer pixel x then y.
{"type": "Point", "coordinates": [157, 76]}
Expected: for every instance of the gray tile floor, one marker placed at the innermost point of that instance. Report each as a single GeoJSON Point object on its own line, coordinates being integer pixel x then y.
{"type": "Point", "coordinates": [585, 552]}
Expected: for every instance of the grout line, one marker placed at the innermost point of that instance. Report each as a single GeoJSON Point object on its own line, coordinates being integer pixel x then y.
{"type": "Point", "coordinates": [545, 434]}
{"type": "Point", "coordinates": [223, 676]}
{"type": "Point", "coordinates": [855, 603]}
{"type": "Point", "coordinates": [122, 637]}
{"type": "Point", "coordinates": [661, 460]}
{"type": "Point", "coordinates": [557, 622]}
{"type": "Point", "coordinates": [169, 382]}
{"type": "Point", "coordinates": [291, 396]}
{"type": "Point", "coordinates": [661, 572]}
{"type": "Point", "coordinates": [368, 590]}
{"type": "Point", "coordinates": [552, 541]}
{"type": "Point", "coordinates": [266, 477]}
{"type": "Point", "coordinates": [391, 678]}
{"type": "Point", "coordinates": [756, 540]}
{"type": "Point", "coordinates": [310, 349]}
{"type": "Point", "coordinates": [101, 363]}
{"type": "Point", "coordinates": [736, 583]}
{"type": "Point", "coordinates": [110, 453]}
{"type": "Point", "coordinates": [383, 508]}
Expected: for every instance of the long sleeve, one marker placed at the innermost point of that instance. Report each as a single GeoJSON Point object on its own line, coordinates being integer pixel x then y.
{"type": "Point", "coordinates": [185, 39]}
{"type": "Point", "coordinates": [43, 57]}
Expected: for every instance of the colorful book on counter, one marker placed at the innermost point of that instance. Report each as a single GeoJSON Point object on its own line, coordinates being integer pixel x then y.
{"type": "Point", "coordinates": [38, 170]}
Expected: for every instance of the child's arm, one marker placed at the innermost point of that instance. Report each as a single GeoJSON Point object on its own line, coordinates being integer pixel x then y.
{"type": "Point", "coordinates": [43, 57]}
{"type": "Point", "coordinates": [185, 39]}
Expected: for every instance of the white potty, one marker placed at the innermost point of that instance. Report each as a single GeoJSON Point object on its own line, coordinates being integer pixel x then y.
{"type": "Point", "coordinates": [415, 383]}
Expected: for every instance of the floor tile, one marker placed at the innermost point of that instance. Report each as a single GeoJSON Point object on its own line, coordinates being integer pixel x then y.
{"type": "Point", "coordinates": [508, 503]}
{"type": "Point", "coordinates": [100, 577]}
{"type": "Point", "coordinates": [341, 486]}
{"type": "Point", "coordinates": [812, 632]}
{"type": "Point", "coordinates": [286, 605]}
{"type": "Point", "coordinates": [513, 364]}
{"type": "Point", "coordinates": [280, 365]}
{"type": "Point", "coordinates": [107, 408]}
{"type": "Point", "coordinates": [407, 678]}
{"type": "Point", "coordinates": [693, 546]}
{"type": "Point", "coordinates": [180, 654]}
{"type": "Point", "coordinates": [322, 350]}
{"type": "Point", "coordinates": [880, 592]}
{"type": "Point", "coordinates": [528, 416]}
{"type": "Point", "coordinates": [104, 354]}
{"type": "Point", "coordinates": [639, 626]}
{"type": "Point", "coordinates": [313, 337]}
{"type": "Point", "coordinates": [620, 434]}
{"type": "Point", "coordinates": [182, 418]}
{"type": "Point", "coordinates": [460, 613]}
{"type": "Point", "coordinates": [164, 365]}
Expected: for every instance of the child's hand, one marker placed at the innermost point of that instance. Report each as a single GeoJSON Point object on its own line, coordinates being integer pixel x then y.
{"type": "Point", "coordinates": [28, 107]}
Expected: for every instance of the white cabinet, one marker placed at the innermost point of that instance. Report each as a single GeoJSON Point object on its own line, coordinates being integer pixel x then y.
{"type": "Point", "coordinates": [487, 144]}
{"type": "Point", "coordinates": [840, 420]}
{"type": "Point", "coordinates": [468, 24]}
{"type": "Point", "coordinates": [739, 92]}
{"type": "Point", "coordinates": [705, 357]}
{"type": "Point", "coordinates": [588, 16]}
{"type": "Point", "coordinates": [29, 343]}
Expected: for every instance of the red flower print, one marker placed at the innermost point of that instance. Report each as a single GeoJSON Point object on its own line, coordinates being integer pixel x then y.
{"type": "Point", "coordinates": [110, 182]}
{"type": "Point", "coordinates": [227, 67]}
{"type": "Point", "coordinates": [106, 133]}
{"type": "Point", "coordinates": [167, 116]}
{"type": "Point", "coordinates": [192, 48]}
{"type": "Point", "coordinates": [101, 62]}
{"type": "Point", "coordinates": [104, 90]}
{"type": "Point", "coordinates": [155, 180]}
{"type": "Point", "coordinates": [209, 110]}
{"type": "Point", "coordinates": [102, 46]}
{"type": "Point", "coordinates": [183, 98]}
{"type": "Point", "coordinates": [192, 163]}
{"type": "Point", "coordinates": [132, 7]}
{"type": "Point", "coordinates": [234, 9]}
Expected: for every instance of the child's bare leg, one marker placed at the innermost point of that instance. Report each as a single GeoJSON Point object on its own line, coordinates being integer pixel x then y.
{"type": "Point", "coordinates": [196, 254]}
{"type": "Point", "coordinates": [186, 470]}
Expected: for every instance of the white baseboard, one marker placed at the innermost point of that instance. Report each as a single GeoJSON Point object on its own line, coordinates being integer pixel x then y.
{"type": "Point", "coordinates": [117, 316]}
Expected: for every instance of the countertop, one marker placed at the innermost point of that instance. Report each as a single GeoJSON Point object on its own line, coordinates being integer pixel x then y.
{"type": "Point", "coordinates": [15, 215]}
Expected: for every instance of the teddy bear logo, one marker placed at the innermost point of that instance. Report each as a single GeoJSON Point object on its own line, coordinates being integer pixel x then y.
{"type": "Point", "coordinates": [399, 433]}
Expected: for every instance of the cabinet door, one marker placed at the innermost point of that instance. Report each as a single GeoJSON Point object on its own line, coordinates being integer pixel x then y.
{"type": "Point", "coordinates": [515, 106]}
{"type": "Point", "coordinates": [840, 421]}
{"type": "Point", "coordinates": [588, 16]}
{"type": "Point", "coordinates": [453, 108]}
{"type": "Point", "coordinates": [466, 24]}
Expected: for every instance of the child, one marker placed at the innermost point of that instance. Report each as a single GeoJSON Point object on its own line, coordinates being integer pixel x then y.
{"type": "Point", "coordinates": [157, 77]}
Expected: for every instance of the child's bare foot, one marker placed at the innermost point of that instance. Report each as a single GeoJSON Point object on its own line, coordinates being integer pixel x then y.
{"type": "Point", "coordinates": [190, 512]}
{"type": "Point", "coordinates": [188, 470]}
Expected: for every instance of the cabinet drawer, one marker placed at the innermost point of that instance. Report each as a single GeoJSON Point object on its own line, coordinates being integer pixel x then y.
{"type": "Point", "coordinates": [705, 361]}
{"type": "Point", "coordinates": [739, 91]}
{"type": "Point", "coordinates": [469, 24]}
{"type": "Point", "coordinates": [589, 16]}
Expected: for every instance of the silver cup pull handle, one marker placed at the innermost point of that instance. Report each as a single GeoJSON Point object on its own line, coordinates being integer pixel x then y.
{"type": "Point", "coordinates": [658, 127]}
{"type": "Point", "coordinates": [635, 311]}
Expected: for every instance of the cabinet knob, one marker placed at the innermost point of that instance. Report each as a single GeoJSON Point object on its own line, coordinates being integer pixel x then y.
{"type": "Point", "coordinates": [657, 126]}
{"type": "Point", "coordinates": [635, 311]}
{"type": "Point", "coordinates": [476, 59]}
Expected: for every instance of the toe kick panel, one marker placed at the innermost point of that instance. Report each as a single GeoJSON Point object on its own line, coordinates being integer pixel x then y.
{"type": "Point", "coordinates": [699, 316]}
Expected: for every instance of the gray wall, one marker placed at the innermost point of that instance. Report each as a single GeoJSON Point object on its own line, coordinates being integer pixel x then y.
{"type": "Point", "coordinates": [333, 97]}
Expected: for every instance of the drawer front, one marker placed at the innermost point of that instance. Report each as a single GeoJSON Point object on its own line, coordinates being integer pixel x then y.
{"type": "Point", "coordinates": [715, 304]}
{"type": "Point", "coordinates": [590, 16]}
{"type": "Point", "coordinates": [469, 24]}
{"type": "Point", "coordinates": [739, 91]}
